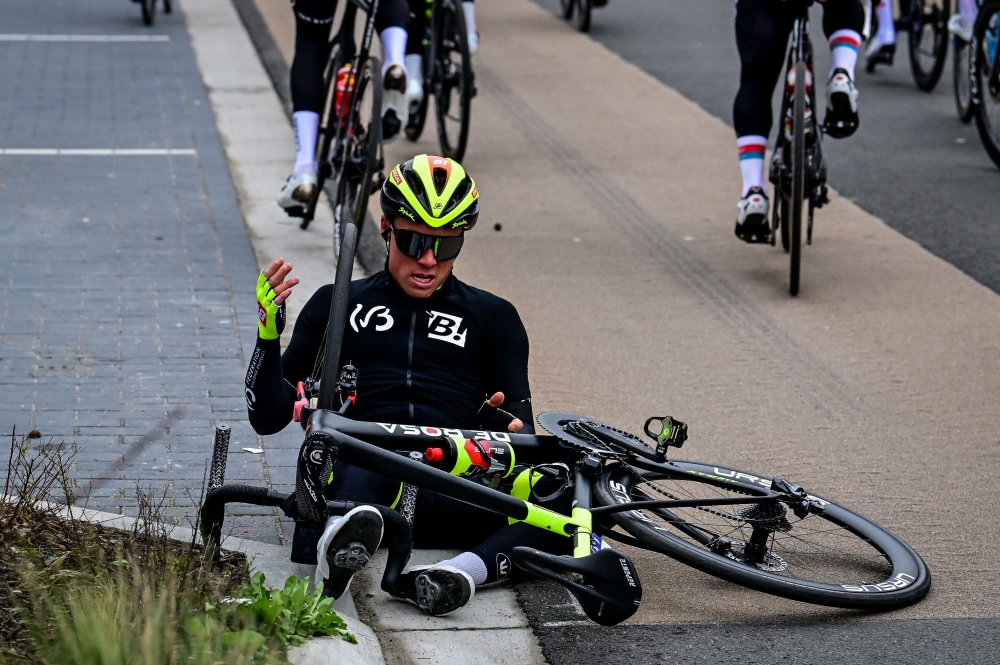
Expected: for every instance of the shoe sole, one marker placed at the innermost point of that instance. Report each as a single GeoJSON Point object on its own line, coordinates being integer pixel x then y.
{"type": "Point", "coordinates": [441, 591]}
{"type": "Point", "coordinates": [760, 221]}
{"type": "Point", "coordinates": [841, 109]}
{"type": "Point", "coordinates": [348, 552]}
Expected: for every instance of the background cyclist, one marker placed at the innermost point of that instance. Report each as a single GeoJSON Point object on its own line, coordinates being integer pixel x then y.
{"type": "Point", "coordinates": [313, 21]}
{"type": "Point", "coordinates": [882, 49]}
{"type": "Point", "coordinates": [429, 349]}
{"type": "Point", "coordinates": [762, 29]}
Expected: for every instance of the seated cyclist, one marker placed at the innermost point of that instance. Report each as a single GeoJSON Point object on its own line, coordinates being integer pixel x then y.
{"type": "Point", "coordinates": [762, 29]}
{"type": "Point", "coordinates": [313, 22]}
{"type": "Point", "coordinates": [882, 50]}
{"type": "Point", "coordinates": [430, 350]}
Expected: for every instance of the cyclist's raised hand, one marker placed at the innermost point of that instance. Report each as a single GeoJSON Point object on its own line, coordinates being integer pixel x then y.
{"type": "Point", "coordinates": [272, 291]}
{"type": "Point", "coordinates": [275, 275]}
{"type": "Point", "coordinates": [492, 417]}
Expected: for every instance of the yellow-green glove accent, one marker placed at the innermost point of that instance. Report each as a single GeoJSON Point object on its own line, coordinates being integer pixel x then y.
{"type": "Point", "coordinates": [267, 312]}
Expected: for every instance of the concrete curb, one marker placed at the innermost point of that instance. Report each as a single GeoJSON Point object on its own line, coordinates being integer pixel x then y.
{"type": "Point", "coordinates": [272, 560]}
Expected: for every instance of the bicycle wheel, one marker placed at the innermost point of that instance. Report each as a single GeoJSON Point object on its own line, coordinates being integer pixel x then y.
{"type": "Point", "coordinates": [148, 11]}
{"type": "Point", "coordinates": [962, 80]}
{"type": "Point", "coordinates": [357, 149]}
{"type": "Point", "coordinates": [168, 6]}
{"type": "Point", "coordinates": [836, 558]}
{"type": "Point", "coordinates": [785, 239]}
{"type": "Point", "coordinates": [928, 40]}
{"type": "Point", "coordinates": [584, 10]}
{"type": "Point", "coordinates": [453, 86]}
{"type": "Point", "coordinates": [798, 176]}
{"type": "Point", "coordinates": [566, 6]}
{"type": "Point", "coordinates": [986, 70]}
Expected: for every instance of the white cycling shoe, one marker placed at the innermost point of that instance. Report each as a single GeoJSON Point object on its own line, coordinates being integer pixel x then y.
{"type": "Point", "coordinates": [436, 590]}
{"type": "Point", "coordinates": [752, 225]}
{"type": "Point", "coordinates": [347, 545]}
{"type": "Point", "coordinates": [961, 29]}
{"type": "Point", "coordinates": [298, 192]}
{"type": "Point", "coordinates": [395, 110]}
{"type": "Point", "coordinates": [414, 82]}
{"type": "Point", "coordinates": [841, 105]}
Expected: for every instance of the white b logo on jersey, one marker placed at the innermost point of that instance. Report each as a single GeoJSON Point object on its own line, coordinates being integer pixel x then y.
{"type": "Point", "coordinates": [383, 315]}
{"type": "Point", "coordinates": [445, 328]}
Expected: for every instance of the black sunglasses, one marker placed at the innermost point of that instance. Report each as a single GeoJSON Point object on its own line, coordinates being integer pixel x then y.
{"type": "Point", "coordinates": [414, 244]}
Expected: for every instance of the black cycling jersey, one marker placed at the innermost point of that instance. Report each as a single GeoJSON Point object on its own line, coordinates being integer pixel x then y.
{"type": "Point", "coordinates": [429, 361]}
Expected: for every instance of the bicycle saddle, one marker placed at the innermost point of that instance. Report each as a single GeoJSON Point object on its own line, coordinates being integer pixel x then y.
{"type": "Point", "coordinates": [610, 592]}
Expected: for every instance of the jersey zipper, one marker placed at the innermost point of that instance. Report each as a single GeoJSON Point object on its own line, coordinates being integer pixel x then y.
{"type": "Point", "coordinates": [409, 364]}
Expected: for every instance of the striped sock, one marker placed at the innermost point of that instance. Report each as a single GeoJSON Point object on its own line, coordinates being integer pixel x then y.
{"type": "Point", "coordinates": [844, 51]}
{"type": "Point", "coordinates": [751, 149]}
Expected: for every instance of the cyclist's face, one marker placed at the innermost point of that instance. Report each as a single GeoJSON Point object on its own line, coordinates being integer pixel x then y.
{"type": "Point", "coordinates": [419, 278]}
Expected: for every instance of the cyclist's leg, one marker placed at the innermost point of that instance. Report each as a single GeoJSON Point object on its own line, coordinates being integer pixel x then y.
{"type": "Point", "coordinates": [391, 21]}
{"type": "Point", "coordinates": [313, 19]}
{"type": "Point", "coordinates": [761, 35]}
{"type": "Point", "coordinates": [469, 9]}
{"type": "Point", "coordinates": [883, 48]}
{"type": "Point", "coordinates": [843, 21]}
{"type": "Point", "coordinates": [962, 23]}
{"type": "Point", "coordinates": [416, 28]}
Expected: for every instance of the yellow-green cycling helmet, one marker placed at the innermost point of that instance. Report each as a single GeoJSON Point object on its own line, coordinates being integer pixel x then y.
{"type": "Point", "coordinates": [434, 190]}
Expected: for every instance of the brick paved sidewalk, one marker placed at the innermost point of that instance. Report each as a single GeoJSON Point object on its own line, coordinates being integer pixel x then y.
{"type": "Point", "coordinates": [126, 311]}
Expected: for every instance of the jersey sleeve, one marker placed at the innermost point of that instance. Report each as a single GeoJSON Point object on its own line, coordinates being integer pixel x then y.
{"type": "Point", "coordinates": [272, 376]}
{"type": "Point", "coordinates": [507, 363]}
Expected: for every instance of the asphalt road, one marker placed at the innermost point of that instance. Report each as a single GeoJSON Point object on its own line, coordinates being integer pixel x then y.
{"type": "Point", "coordinates": [911, 163]}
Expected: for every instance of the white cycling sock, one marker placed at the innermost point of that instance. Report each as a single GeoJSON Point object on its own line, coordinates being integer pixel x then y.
{"type": "Point", "coordinates": [306, 128]}
{"type": "Point", "coordinates": [844, 51]}
{"type": "Point", "coordinates": [969, 10]}
{"type": "Point", "coordinates": [469, 9]}
{"type": "Point", "coordinates": [414, 78]}
{"type": "Point", "coordinates": [751, 149]}
{"type": "Point", "coordinates": [469, 563]}
{"type": "Point", "coordinates": [393, 48]}
{"type": "Point", "coordinates": [886, 27]}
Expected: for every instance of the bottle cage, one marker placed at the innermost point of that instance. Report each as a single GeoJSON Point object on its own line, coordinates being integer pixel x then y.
{"type": "Point", "coordinates": [610, 592]}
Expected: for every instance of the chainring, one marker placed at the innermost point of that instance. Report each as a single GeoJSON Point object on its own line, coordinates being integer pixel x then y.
{"type": "Point", "coordinates": [566, 427]}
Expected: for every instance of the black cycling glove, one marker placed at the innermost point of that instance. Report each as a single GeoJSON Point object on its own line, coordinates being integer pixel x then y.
{"type": "Point", "coordinates": [494, 419]}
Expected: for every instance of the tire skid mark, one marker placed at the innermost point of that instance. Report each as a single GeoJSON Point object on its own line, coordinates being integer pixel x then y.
{"type": "Point", "coordinates": [668, 251]}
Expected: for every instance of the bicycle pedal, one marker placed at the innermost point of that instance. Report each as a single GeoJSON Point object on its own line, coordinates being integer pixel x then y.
{"type": "Point", "coordinates": [353, 557]}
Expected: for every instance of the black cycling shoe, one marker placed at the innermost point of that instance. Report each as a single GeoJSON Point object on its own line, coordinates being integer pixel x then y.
{"type": "Point", "coordinates": [348, 545]}
{"type": "Point", "coordinates": [437, 590]}
{"type": "Point", "coordinates": [841, 106]}
{"type": "Point", "coordinates": [883, 56]}
{"type": "Point", "coordinates": [752, 225]}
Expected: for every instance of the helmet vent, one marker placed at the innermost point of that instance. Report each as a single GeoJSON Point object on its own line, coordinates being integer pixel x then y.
{"type": "Point", "coordinates": [440, 177]}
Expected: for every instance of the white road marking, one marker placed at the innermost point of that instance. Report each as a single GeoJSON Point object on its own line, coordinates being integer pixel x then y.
{"type": "Point", "coordinates": [84, 38]}
{"type": "Point", "coordinates": [91, 152]}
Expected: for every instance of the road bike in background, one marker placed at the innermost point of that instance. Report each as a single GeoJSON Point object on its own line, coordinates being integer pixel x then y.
{"type": "Point", "coordinates": [349, 150]}
{"type": "Point", "coordinates": [986, 77]}
{"type": "Point", "coordinates": [578, 12]}
{"type": "Point", "coordinates": [926, 24]}
{"type": "Point", "coordinates": [149, 9]}
{"type": "Point", "coordinates": [448, 76]}
{"type": "Point", "coordinates": [798, 168]}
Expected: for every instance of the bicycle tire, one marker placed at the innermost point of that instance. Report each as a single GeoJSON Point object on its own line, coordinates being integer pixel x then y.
{"type": "Point", "coordinates": [357, 158]}
{"type": "Point", "coordinates": [168, 6]}
{"type": "Point", "coordinates": [962, 80]}
{"type": "Point", "coordinates": [883, 572]}
{"type": "Point", "coordinates": [451, 40]}
{"type": "Point", "coordinates": [148, 11]}
{"type": "Point", "coordinates": [784, 223]}
{"type": "Point", "coordinates": [566, 7]}
{"type": "Point", "coordinates": [337, 323]}
{"type": "Point", "coordinates": [798, 176]}
{"type": "Point", "coordinates": [928, 20]}
{"type": "Point", "coordinates": [584, 14]}
{"type": "Point", "coordinates": [985, 38]}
